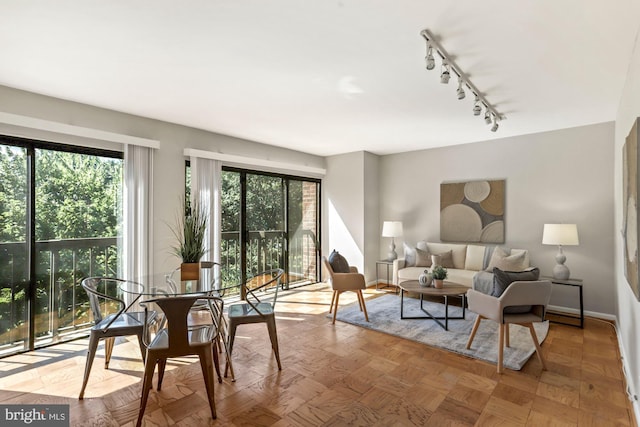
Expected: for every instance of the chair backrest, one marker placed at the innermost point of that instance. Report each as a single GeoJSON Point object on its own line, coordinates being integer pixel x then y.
{"type": "Point", "coordinates": [327, 266]}
{"type": "Point", "coordinates": [263, 282]}
{"type": "Point", "coordinates": [176, 311]}
{"type": "Point", "coordinates": [105, 288]}
{"type": "Point", "coordinates": [527, 293]}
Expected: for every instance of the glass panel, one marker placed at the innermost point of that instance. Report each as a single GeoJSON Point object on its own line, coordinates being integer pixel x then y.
{"type": "Point", "coordinates": [265, 223]}
{"type": "Point", "coordinates": [14, 270]}
{"type": "Point", "coordinates": [303, 231]}
{"type": "Point", "coordinates": [78, 213]}
{"type": "Point", "coordinates": [230, 253]}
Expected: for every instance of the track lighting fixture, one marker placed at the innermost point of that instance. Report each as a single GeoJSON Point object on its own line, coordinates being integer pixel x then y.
{"type": "Point", "coordinates": [477, 109]}
{"type": "Point", "coordinates": [487, 117]}
{"type": "Point", "coordinates": [450, 67]}
{"type": "Point", "coordinates": [431, 62]}
{"type": "Point", "coordinates": [445, 76]}
{"type": "Point", "coordinates": [460, 92]}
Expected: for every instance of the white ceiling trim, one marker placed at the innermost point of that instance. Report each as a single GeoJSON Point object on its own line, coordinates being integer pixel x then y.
{"type": "Point", "coordinates": [252, 161]}
{"type": "Point", "coordinates": [73, 130]}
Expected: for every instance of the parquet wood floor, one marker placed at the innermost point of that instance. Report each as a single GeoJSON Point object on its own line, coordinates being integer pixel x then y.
{"type": "Point", "coordinates": [337, 375]}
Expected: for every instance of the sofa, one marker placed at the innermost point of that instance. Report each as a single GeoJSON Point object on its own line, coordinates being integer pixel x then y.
{"type": "Point", "coordinates": [470, 265]}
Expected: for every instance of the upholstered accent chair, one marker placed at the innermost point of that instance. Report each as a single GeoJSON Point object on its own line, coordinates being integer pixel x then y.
{"type": "Point", "coordinates": [522, 303]}
{"type": "Point", "coordinates": [343, 282]}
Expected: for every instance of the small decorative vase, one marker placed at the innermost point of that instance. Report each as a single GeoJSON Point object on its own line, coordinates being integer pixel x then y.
{"type": "Point", "coordinates": [190, 271]}
{"type": "Point", "coordinates": [425, 279]}
{"type": "Point", "coordinates": [439, 283]}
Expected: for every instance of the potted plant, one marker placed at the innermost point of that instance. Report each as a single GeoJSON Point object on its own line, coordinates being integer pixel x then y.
{"type": "Point", "coordinates": [190, 232]}
{"type": "Point", "coordinates": [439, 274]}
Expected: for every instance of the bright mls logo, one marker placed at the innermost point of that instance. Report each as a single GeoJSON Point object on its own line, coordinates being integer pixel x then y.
{"type": "Point", "coordinates": [34, 415]}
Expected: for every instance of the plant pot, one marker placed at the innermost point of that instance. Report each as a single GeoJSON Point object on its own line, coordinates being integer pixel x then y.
{"type": "Point", "coordinates": [439, 283]}
{"type": "Point", "coordinates": [190, 271]}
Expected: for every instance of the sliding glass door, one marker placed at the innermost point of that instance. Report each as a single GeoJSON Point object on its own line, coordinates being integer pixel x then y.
{"type": "Point", "coordinates": [269, 221]}
{"type": "Point", "coordinates": [60, 215]}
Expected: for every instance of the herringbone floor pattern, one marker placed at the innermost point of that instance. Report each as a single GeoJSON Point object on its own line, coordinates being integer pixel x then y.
{"type": "Point", "coordinates": [337, 375]}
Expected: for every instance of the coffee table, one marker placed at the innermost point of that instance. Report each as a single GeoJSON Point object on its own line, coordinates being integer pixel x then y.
{"type": "Point", "coordinates": [450, 289]}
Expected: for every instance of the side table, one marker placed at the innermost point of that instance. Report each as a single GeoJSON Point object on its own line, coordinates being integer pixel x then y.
{"type": "Point", "coordinates": [577, 283]}
{"type": "Point", "coordinates": [388, 265]}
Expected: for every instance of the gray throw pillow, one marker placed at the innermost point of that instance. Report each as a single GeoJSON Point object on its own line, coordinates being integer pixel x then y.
{"type": "Point", "coordinates": [502, 280]}
{"type": "Point", "coordinates": [338, 263]}
{"type": "Point", "coordinates": [423, 258]}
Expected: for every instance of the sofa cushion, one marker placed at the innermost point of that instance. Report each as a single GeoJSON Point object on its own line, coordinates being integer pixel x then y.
{"type": "Point", "coordinates": [474, 259]}
{"type": "Point", "coordinates": [462, 277]}
{"type": "Point", "coordinates": [458, 252]}
{"type": "Point", "coordinates": [338, 263]}
{"type": "Point", "coordinates": [504, 261]}
{"type": "Point", "coordinates": [409, 255]}
{"type": "Point", "coordinates": [423, 258]}
{"type": "Point", "coordinates": [444, 259]}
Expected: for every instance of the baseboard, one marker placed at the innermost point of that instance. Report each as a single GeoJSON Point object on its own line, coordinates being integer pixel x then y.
{"type": "Point", "coordinates": [631, 393]}
{"type": "Point", "coordinates": [576, 312]}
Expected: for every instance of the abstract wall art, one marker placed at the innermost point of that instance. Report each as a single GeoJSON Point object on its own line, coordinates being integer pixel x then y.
{"type": "Point", "coordinates": [472, 211]}
{"type": "Point", "coordinates": [630, 210]}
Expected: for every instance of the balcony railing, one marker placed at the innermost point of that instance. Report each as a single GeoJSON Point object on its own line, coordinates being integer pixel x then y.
{"type": "Point", "coordinates": [62, 306]}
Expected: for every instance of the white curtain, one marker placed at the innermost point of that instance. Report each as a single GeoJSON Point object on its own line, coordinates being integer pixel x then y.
{"type": "Point", "coordinates": [137, 263]}
{"type": "Point", "coordinates": [206, 188]}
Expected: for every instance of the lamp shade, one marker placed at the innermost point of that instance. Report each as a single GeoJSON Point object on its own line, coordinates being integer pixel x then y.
{"type": "Point", "coordinates": [392, 229]}
{"type": "Point", "coordinates": [560, 234]}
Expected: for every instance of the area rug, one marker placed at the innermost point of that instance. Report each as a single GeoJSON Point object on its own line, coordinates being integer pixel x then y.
{"type": "Point", "coordinates": [384, 316]}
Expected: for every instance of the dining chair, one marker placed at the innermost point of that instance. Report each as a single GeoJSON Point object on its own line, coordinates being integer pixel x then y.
{"type": "Point", "coordinates": [102, 291]}
{"type": "Point", "coordinates": [253, 310]}
{"type": "Point", "coordinates": [522, 303]}
{"type": "Point", "coordinates": [344, 282]}
{"type": "Point", "coordinates": [180, 339]}
{"type": "Point", "coordinates": [214, 288]}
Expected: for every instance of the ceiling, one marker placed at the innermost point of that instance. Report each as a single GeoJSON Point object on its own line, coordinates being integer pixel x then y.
{"type": "Point", "coordinates": [326, 77]}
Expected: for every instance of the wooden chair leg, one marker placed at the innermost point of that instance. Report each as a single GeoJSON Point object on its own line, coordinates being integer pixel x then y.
{"type": "Point", "coordinates": [108, 349]}
{"type": "Point", "coordinates": [162, 364]}
{"type": "Point", "coordinates": [473, 331]}
{"type": "Point", "coordinates": [216, 359]}
{"type": "Point", "coordinates": [363, 305]}
{"type": "Point", "coordinates": [206, 364]}
{"type": "Point", "coordinates": [333, 299]}
{"type": "Point", "coordinates": [231, 336]}
{"type": "Point", "coordinates": [335, 309]}
{"type": "Point", "coordinates": [500, 347]}
{"type": "Point", "coordinates": [91, 354]}
{"type": "Point", "coordinates": [537, 344]}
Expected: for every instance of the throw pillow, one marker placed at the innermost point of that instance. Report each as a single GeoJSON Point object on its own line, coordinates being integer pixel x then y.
{"type": "Point", "coordinates": [409, 256]}
{"type": "Point", "coordinates": [502, 280]}
{"type": "Point", "coordinates": [338, 263]}
{"type": "Point", "coordinates": [423, 258]}
{"type": "Point", "coordinates": [502, 260]}
{"type": "Point", "coordinates": [444, 259]}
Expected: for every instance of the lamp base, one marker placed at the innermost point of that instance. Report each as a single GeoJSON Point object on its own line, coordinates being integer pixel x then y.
{"type": "Point", "coordinates": [392, 255]}
{"type": "Point", "coordinates": [561, 272]}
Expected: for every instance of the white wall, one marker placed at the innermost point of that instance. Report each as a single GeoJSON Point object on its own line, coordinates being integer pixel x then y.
{"type": "Point", "coordinates": [168, 160]}
{"type": "Point", "coordinates": [628, 308]}
{"type": "Point", "coordinates": [560, 176]}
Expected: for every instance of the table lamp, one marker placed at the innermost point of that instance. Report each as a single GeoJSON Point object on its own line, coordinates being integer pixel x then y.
{"type": "Point", "coordinates": [560, 234]}
{"type": "Point", "coordinates": [392, 229]}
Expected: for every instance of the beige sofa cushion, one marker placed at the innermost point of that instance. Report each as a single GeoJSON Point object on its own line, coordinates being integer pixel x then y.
{"type": "Point", "coordinates": [462, 277]}
{"type": "Point", "coordinates": [475, 258]}
{"type": "Point", "coordinates": [458, 252]}
{"type": "Point", "coordinates": [514, 261]}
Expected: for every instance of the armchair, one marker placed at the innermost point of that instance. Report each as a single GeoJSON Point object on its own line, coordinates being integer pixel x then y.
{"type": "Point", "coordinates": [343, 282]}
{"type": "Point", "coordinates": [534, 295]}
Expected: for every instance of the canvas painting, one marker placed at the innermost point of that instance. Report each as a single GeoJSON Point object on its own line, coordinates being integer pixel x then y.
{"type": "Point", "coordinates": [472, 211]}
{"type": "Point", "coordinates": [630, 210]}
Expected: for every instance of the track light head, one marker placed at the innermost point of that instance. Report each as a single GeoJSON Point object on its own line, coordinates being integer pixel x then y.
{"type": "Point", "coordinates": [431, 62]}
{"type": "Point", "coordinates": [487, 117]}
{"type": "Point", "coordinates": [445, 76]}
{"type": "Point", "coordinates": [477, 109]}
{"type": "Point", "coordinates": [460, 92]}
{"type": "Point", "coordinates": [495, 125]}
